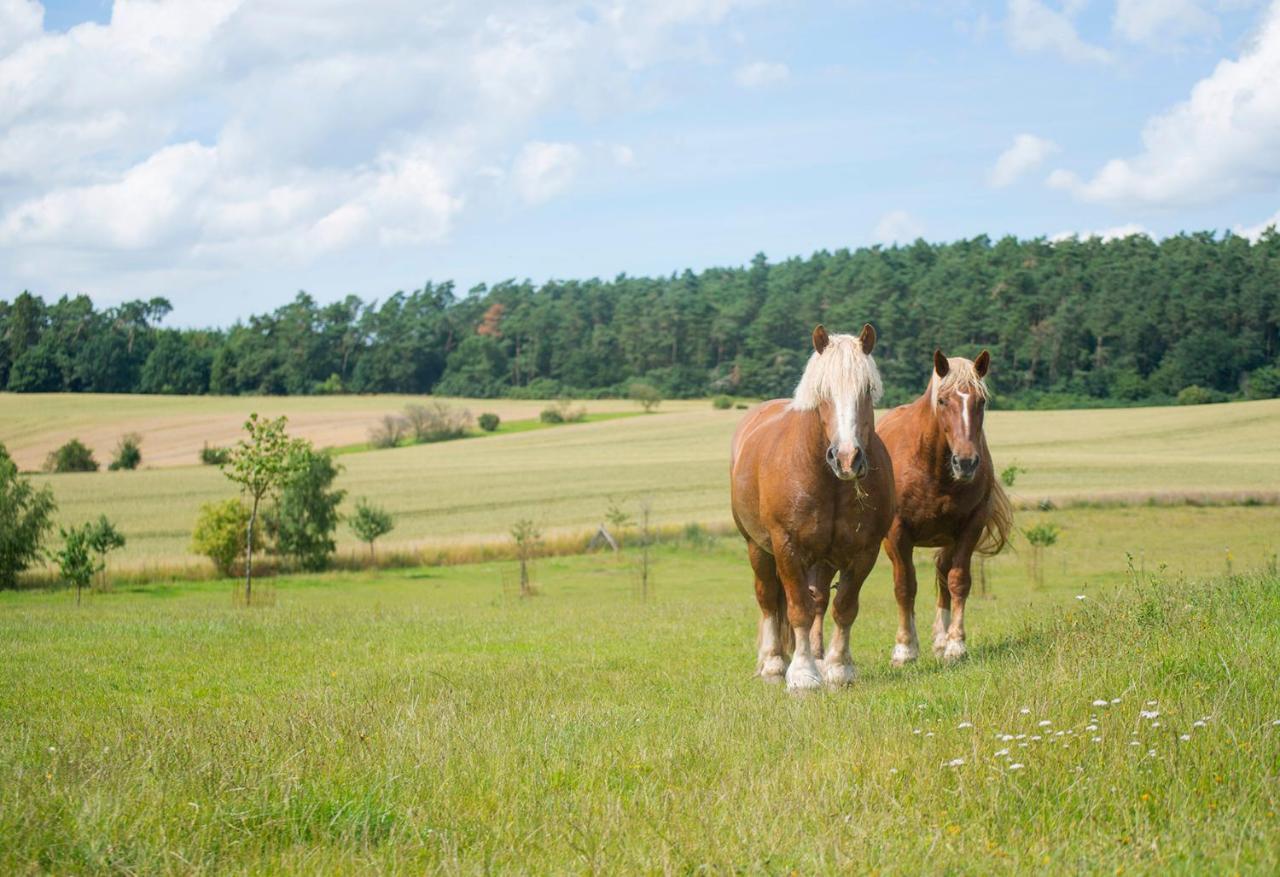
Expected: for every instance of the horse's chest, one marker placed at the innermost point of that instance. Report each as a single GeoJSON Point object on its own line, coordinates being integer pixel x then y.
{"type": "Point", "coordinates": [936, 517]}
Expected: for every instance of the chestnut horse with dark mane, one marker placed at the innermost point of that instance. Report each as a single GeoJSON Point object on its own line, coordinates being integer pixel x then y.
{"type": "Point", "coordinates": [948, 498]}
{"type": "Point", "coordinates": [812, 493]}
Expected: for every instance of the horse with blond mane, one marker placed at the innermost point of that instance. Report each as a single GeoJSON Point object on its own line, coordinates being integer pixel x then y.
{"type": "Point", "coordinates": [948, 498]}
{"type": "Point", "coordinates": [812, 493]}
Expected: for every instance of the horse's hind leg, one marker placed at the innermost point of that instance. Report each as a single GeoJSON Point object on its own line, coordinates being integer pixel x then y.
{"type": "Point", "coordinates": [837, 668]}
{"type": "Point", "coordinates": [802, 672]}
{"type": "Point", "coordinates": [897, 545]}
{"type": "Point", "coordinates": [774, 640]}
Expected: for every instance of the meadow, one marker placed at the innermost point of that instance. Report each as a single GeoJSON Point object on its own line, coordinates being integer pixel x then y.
{"type": "Point", "coordinates": [565, 477]}
{"type": "Point", "coordinates": [1122, 717]}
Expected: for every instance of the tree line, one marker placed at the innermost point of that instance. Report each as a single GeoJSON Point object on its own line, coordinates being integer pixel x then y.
{"type": "Point", "coordinates": [1072, 322]}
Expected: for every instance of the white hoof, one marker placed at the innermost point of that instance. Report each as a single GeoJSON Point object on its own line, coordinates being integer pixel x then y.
{"type": "Point", "coordinates": [773, 668]}
{"type": "Point", "coordinates": [939, 645]}
{"type": "Point", "coordinates": [803, 676]}
{"type": "Point", "coordinates": [954, 651]}
{"type": "Point", "coordinates": [839, 675]}
{"type": "Point", "coordinates": [904, 654]}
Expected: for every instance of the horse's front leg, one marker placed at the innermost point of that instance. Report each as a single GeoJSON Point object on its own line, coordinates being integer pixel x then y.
{"type": "Point", "coordinates": [801, 612]}
{"type": "Point", "coordinates": [819, 578]}
{"type": "Point", "coordinates": [906, 646]}
{"type": "Point", "coordinates": [838, 669]}
{"type": "Point", "coordinates": [958, 581]}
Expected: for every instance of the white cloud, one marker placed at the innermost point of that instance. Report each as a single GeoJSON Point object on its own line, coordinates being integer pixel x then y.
{"type": "Point", "coordinates": [197, 135]}
{"type": "Point", "coordinates": [760, 74]}
{"type": "Point", "coordinates": [1026, 154]}
{"type": "Point", "coordinates": [1223, 140]}
{"type": "Point", "coordinates": [1118, 232]}
{"type": "Point", "coordinates": [1253, 232]}
{"type": "Point", "coordinates": [543, 170]}
{"type": "Point", "coordinates": [20, 20]}
{"type": "Point", "coordinates": [897, 227]}
{"type": "Point", "coordinates": [1032, 26]}
{"type": "Point", "coordinates": [1163, 23]}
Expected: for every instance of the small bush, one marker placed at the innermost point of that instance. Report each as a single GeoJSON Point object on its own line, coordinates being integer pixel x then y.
{"type": "Point", "coordinates": [563, 411]}
{"type": "Point", "coordinates": [436, 422]}
{"type": "Point", "coordinates": [646, 395]}
{"type": "Point", "coordinates": [212, 455]}
{"type": "Point", "coordinates": [305, 516]}
{"type": "Point", "coordinates": [489, 421]}
{"type": "Point", "coordinates": [1195, 395]}
{"type": "Point", "coordinates": [551, 415]}
{"type": "Point", "coordinates": [389, 432]}
{"type": "Point", "coordinates": [722, 403]}
{"type": "Point", "coordinates": [1009, 474]}
{"type": "Point", "coordinates": [74, 456]}
{"type": "Point", "coordinates": [75, 560]}
{"type": "Point", "coordinates": [741, 406]}
{"type": "Point", "coordinates": [1264, 383]}
{"type": "Point", "coordinates": [220, 533]}
{"type": "Point", "coordinates": [128, 453]}
{"type": "Point", "coordinates": [330, 386]}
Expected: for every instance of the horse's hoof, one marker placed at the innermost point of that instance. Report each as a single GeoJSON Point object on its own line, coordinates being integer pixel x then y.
{"type": "Point", "coordinates": [839, 675]}
{"type": "Point", "coordinates": [773, 669]}
{"type": "Point", "coordinates": [803, 677]}
{"type": "Point", "coordinates": [939, 646]}
{"type": "Point", "coordinates": [954, 651]}
{"type": "Point", "coordinates": [904, 655]}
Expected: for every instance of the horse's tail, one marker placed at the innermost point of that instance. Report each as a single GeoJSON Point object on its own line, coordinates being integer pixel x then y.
{"type": "Point", "coordinates": [995, 532]}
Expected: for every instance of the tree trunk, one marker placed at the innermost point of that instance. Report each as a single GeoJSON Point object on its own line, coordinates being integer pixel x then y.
{"type": "Point", "coordinates": [248, 562]}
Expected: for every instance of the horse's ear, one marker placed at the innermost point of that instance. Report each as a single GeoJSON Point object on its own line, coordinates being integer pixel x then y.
{"type": "Point", "coordinates": [820, 338]}
{"type": "Point", "coordinates": [982, 363]}
{"type": "Point", "coordinates": [868, 338]}
{"type": "Point", "coordinates": [940, 364]}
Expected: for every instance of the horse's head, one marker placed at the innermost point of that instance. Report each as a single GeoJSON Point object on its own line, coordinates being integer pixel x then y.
{"type": "Point", "coordinates": [842, 384]}
{"type": "Point", "coordinates": [959, 397]}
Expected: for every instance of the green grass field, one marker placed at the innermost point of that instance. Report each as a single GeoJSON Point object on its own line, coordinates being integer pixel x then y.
{"type": "Point", "coordinates": [564, 477]}
{"type": "Point", "coordinates": [429, 720]}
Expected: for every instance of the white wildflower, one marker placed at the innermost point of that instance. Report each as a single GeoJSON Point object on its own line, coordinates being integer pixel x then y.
{"type": "Point", "coordinates": [1199, 723]}
{"type": "Point", "coordinates": [1044, 723]}
{"type": "Point", "coordinates": [1149, 714]}
{"type": "Point", "coordinates": [1002, 752]}
{"type": "Point", "coordinates": [1016, 766]}
{"type": "Point", "coordinates": [955, 762]}
{"type": "Point", "coordinates": [1026, 710]}
{"type": "Point", "coordinates": [1100, 703]}
{"type": "Point", "coordinates": [1091, 727]}
{"type": "Point", "coordinates": [1184, 737]}
{"type": "Point", "coordinates": [1079, 596]}
{"type": "Point", "coordinates": [964, 725]}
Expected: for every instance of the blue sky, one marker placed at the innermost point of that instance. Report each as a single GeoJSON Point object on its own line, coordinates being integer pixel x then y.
{"type": "Point", "coordinates": [226, 154]}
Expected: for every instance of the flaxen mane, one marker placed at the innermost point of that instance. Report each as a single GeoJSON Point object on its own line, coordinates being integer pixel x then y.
{"type": "Point", "coordinates": [841, 371]}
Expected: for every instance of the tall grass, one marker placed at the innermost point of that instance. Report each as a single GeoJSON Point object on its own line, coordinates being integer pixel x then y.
{"type": "Point", "coordinates": [422, 722]}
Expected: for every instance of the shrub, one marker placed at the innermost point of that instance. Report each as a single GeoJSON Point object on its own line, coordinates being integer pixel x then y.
{"type": "Point", "coordinates": [1264, 383]}
{"type": "Point", "coordinates": [389, 432]}
{"type": "Point", "coordinates": [26, 515]}
{"type": "Point", "coordinates": [562, 411]}
{"type": "Point", "coordinates": [128, 453]}
{"type": "Point", "coordinates": [1010, 473]}
{"type": "Point", "coordinates": [488, 421]}
{"type": "Point", "coordinates": [742, 406]}
{"type": "Point", "coordinates": [212, 455]}
{"type": "Point", "coordinates": [436, 422]}
{"type": "Point", "coordinates": [71, 457]}
{"type": "Point", "coordinates": [1195, 395]}
{"type": "Point", "coordinates": [646, 395]}
{"type": "Point", "coordinates": [220, 533]}
{"type": "Point", "coordinates": [371, 522]}
{"type": "Point", "coordinates": [304, 519]}
{"type": "Point", "coordinates": [722, 403]}
{"type": "Point", "coordinates": [330, 386]}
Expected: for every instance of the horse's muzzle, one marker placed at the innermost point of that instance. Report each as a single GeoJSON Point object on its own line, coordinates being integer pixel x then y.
{"type": "Point", "coordinates": [965, 468]}
{"type": "Point", "coordinates": [853, 469]}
